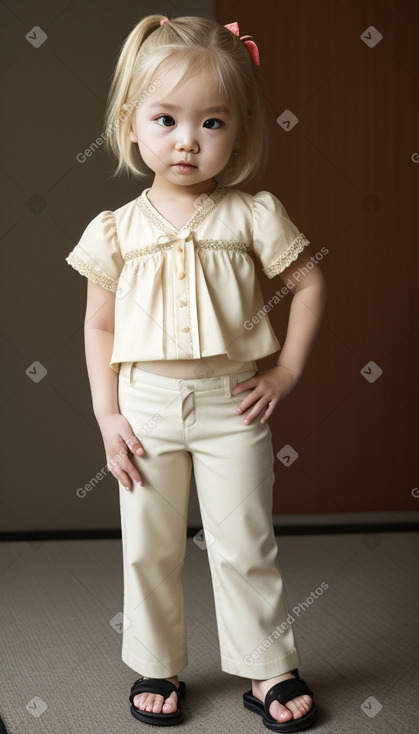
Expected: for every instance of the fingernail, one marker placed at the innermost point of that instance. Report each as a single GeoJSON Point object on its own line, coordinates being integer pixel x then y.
{"type": "Point", "coordinates": [139, 451]}
{"type": "Point", "coordinates": [238, 410]}
{"type": "Point", "coordinates": [127, 488]}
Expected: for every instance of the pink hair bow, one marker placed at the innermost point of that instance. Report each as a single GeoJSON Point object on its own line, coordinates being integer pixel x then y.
{"type": "Point", "coordinates": [248, 42]}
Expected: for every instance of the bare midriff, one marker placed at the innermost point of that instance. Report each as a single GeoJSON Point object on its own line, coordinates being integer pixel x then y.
{"type": "Point", "coordinates": [218, 364]}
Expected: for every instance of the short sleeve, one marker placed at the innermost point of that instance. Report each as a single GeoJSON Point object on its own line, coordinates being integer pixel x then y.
{"type": "Point", "coordinates": [277, 241]}
{"type": "Point", "coordinates": [97, 255]}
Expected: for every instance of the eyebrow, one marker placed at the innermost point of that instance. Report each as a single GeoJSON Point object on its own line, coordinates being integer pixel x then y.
{"type": "Point", "coordinates": [209, 110]}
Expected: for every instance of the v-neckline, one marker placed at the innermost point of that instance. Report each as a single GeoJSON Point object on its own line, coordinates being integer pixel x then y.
{"type": "Point", "coordinates": [219, 192]}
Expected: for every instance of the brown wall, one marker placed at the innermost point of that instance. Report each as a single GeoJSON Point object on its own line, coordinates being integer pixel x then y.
{"type": "Point", "coordinates": [346, 176]}
{"type": "Point", "coordinates": [53, 107]}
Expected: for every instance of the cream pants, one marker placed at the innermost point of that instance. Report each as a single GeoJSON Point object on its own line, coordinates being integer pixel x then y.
{"type": "Point", "coordinates": [180, 423]}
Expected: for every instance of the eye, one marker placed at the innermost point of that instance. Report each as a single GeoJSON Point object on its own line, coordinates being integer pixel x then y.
{"type": "Point", "coordinates": [213, 124]}
{"type": "Point", "coordinates": [166, 120]}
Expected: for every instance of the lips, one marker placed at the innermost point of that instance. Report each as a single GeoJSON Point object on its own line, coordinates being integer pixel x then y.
{"type": "Point", "coordinates": [184, 163]}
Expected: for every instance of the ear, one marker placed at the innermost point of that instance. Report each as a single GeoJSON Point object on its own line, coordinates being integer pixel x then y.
{"type": "Point", "coordinates": [123, 118]}
{"type": "Point", "coordinates": [132, 133]}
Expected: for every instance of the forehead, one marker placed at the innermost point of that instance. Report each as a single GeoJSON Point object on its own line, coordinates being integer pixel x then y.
{"type": "Point", "coordinates": [197, 87]}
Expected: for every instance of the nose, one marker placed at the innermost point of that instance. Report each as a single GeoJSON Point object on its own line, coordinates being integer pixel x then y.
{"type": "Point", "coordinates": [186, 140]}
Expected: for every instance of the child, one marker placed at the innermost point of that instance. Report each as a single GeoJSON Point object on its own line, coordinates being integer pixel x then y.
{"type": "Point", "coordinates": [175, 308]}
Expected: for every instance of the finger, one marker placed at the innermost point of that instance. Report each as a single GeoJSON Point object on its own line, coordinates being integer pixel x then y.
{"type": "Point", "coordinates": [132, 471]}
{"type": "Point", "coordinates": [257, 408]}
{"type": "Point", "coordinates": [125, 480]}
{"type": "Point", "coordinates": [267, 414]}
{"type": "Point", "coordinates": [128, 475]}
{"type": "Point", "coordinates": [116, 455]}
{"type": "Point", "coordinates": [247, 402]}
{"type": "Point", "coordinates": [270, 407]}
{"type": "Point", "coordinates": [242, 387]}
{"type": "Point", "coordinates": [134, 444]}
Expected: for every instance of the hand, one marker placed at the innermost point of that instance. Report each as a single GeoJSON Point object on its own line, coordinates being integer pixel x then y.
{"type": "Point", "coordinates": [269, 386]}
{"type": "Point", "coordinates": [119, 440]}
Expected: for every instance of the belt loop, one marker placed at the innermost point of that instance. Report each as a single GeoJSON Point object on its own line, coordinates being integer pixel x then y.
{"type": "Point", "coordinates": [131, 381]}
{"type": "Point", "coordinates": [227, 385]}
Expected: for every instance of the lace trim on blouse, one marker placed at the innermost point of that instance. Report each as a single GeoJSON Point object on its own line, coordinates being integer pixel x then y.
{"type": "Point", "coordinates": [97, 276]}
{"type": "Point", "coordinates": [201, 244]}
{"type": "Point", "coordinates": [196, 220]}
{"type": "Point", "coordinates": [284, 260]}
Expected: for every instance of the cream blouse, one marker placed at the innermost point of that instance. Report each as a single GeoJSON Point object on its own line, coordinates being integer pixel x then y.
{"type": "Point", "coordinates": [190, 293]}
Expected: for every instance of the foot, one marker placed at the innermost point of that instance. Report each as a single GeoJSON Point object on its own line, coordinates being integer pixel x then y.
{"type": "Point", "coordinates": [156, 703]}
{"type": "Point", "coordinates": [293, 709]}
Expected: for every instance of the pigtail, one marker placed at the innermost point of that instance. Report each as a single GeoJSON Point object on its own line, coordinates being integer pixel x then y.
{"type": "Point", "coordinates": [117, 109]}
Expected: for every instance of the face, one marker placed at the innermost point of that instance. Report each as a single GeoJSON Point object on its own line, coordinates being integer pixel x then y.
{"type": "Point", "coordinates": [186, 135]}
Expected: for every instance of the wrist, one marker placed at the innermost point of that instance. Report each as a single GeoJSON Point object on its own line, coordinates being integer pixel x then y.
{"type": "Point", "coordinates": [102, 415]}
{"type": "Point", "coordinates": [294, 373]}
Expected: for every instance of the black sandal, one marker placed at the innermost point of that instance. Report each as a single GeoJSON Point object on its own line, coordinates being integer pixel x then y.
{"type": "Point", "coordinates": [282, 692]}
{"type": "Point", "coordinates": [164, 688]}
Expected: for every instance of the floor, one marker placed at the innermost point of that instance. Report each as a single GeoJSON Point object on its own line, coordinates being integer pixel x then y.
{"type": "Point", "coordinates": [61, 657]}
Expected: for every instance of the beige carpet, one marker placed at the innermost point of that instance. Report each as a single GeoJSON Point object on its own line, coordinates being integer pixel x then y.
{"type": "Point", "coordinates": [358, 641]}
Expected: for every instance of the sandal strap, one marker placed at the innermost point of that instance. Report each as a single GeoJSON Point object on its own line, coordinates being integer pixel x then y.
{"type": "Point", "coordinates": [152, 685]}
{"type": "Point", "coordinates": [285, 690]}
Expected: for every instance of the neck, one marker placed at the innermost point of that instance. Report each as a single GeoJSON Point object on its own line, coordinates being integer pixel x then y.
{"type": "Point", "coordinates": [164, 189]}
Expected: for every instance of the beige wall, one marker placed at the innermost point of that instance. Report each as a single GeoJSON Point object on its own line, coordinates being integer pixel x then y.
{"type": "Point", "coordinates": [346, 176]}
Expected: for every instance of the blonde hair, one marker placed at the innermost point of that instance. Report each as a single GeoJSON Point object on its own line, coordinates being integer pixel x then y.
{"type": "Point", "coordinates": [189, 43]}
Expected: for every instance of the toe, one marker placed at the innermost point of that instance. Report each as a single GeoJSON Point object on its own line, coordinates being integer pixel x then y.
{"type": "Point", "coordinates": [294, 709]}
{"type": "Point", "coordinates": [156, 703]}
{"type": "Point", "coordinates": [170, 704]}
{"type": "Point", "coordinates": [149, 702]}
{"type": "Point", "coordinates": [280, 712]}
{"type": "Point", "coordinates": [299, 706]}
{"type": "Point", "coordinates": [139, 701]}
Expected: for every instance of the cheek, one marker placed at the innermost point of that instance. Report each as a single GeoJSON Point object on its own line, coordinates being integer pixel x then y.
{"type": "Point", "coordinates": [147, 138]}
{"type": "Point", "coordinates": [225, 149]}
{"type": "Point", "coordinates": [152, 135]}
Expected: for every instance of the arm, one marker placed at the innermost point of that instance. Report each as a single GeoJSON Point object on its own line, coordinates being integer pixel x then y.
{"type": "Point", "coordinates": [306, 311]}
{"type": "Point", "coordinates": [117, 434]}
{"type": "Point", "coordinates": [98, 342]}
